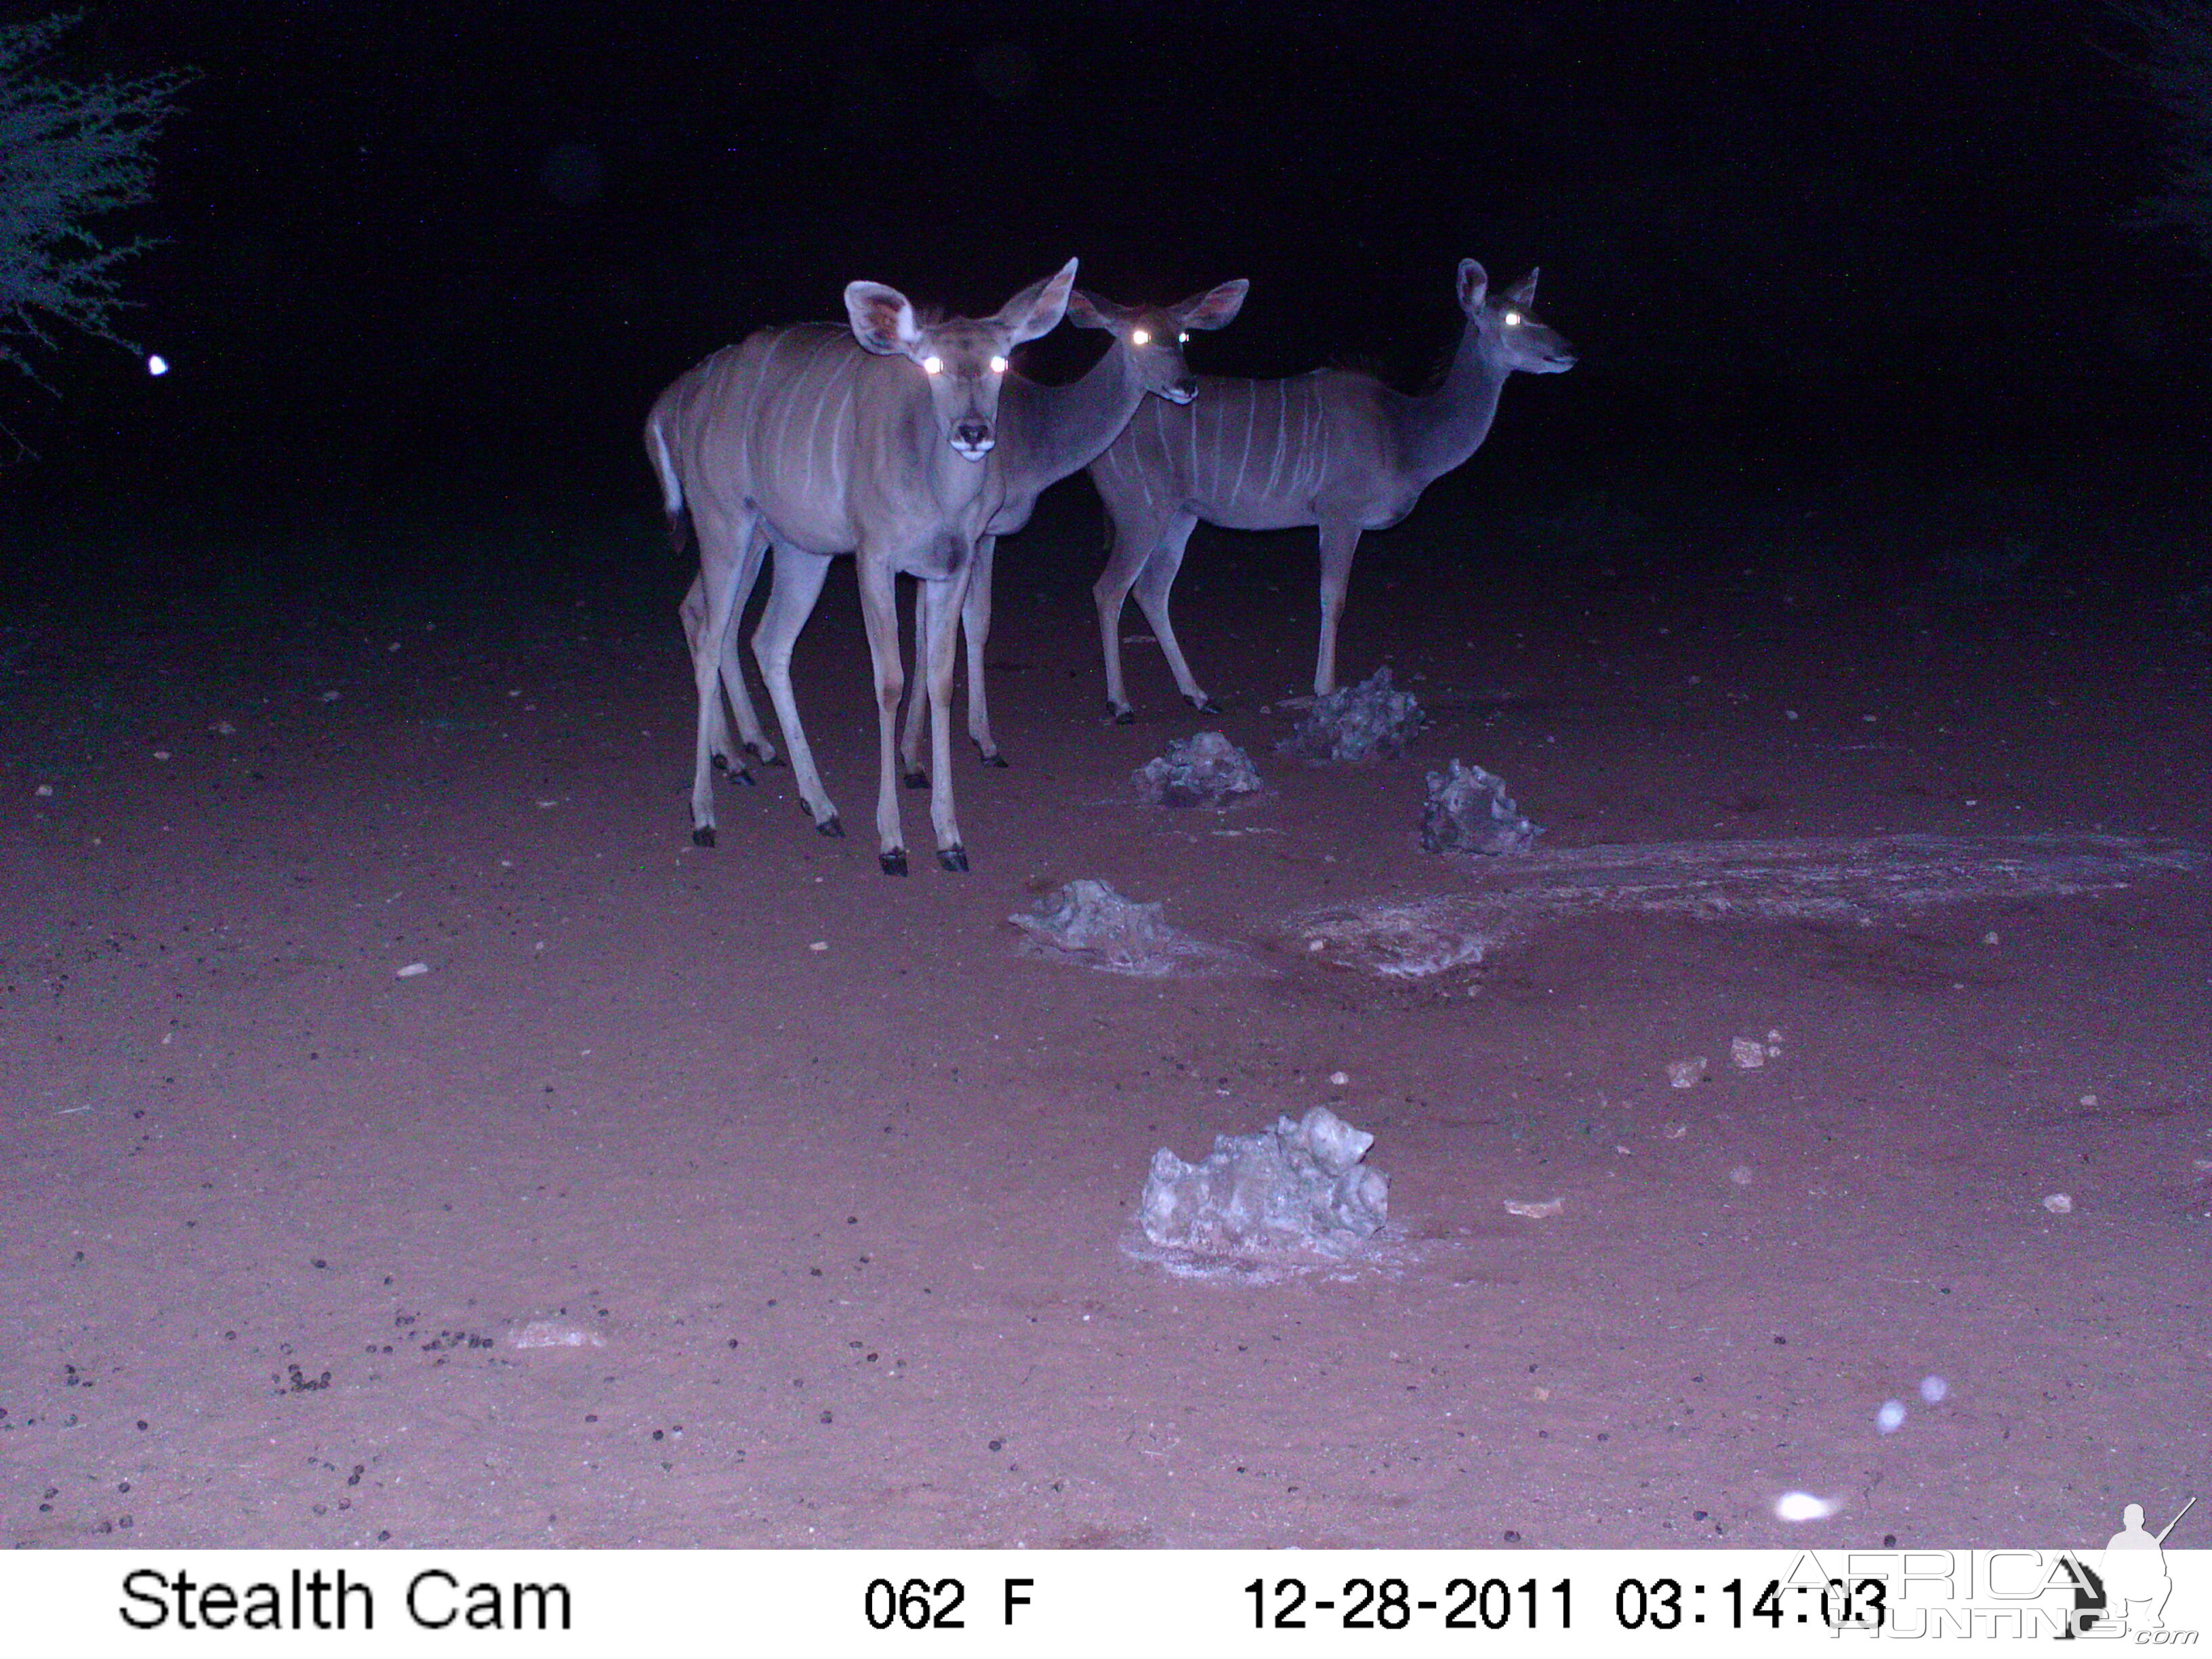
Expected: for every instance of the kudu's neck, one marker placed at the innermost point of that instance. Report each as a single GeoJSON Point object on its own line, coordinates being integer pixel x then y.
{"type": "Point", "coordinates": [1439, 429]}
{"type": "Point", "coordinates": [1062, 430]}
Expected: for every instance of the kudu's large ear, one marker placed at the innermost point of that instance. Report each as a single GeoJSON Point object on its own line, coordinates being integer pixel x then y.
{"type": "Point", "coordinates": [1088, 311]}
{"type": "Point", "coordinates": [1474, 283]}
{"type": "Point", "coordinates": [1038, 308]}
{"type": "Point", "coordinates": [883, 319]}
{"type": "Point", "coordinates": [1522, 292]}
{"type": "Point", "coordinates": [1215, 308]}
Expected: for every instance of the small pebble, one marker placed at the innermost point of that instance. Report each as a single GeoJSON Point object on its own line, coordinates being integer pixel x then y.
{"type": "Point", "coordinates": [413, 969]}
{"type": "Point", "coordinates": [1338, 1079]}
{"type": "Point", "coordinates": [2059, 1203]}
{"type": "Point", "coordinates": [1933, 1388]}
{"type": "Point", "coordinates": [1891, 1417]}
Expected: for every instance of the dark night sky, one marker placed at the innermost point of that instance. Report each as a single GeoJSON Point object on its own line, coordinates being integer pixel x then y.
{"type": "Point", "coordinates": [409, 243]}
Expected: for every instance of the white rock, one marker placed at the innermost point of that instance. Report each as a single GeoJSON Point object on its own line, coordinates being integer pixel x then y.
{"type": "Point", "coordinates": [1532, 1209]}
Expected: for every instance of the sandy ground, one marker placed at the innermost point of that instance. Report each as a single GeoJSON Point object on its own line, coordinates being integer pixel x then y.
{"type": "Point", "coordinates": [820, 1184]}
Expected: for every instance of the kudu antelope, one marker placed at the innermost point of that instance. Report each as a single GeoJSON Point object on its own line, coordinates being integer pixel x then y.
{"type": "Point", "coordinates": [1334, 448]}
{"type": "Point", "coordinates": [795, 439]}
{"type": "Point", "coordinates": [1048, 433]}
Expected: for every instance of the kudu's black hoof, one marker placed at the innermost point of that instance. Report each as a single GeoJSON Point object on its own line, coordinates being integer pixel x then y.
{"type": "Point", "coordinates": [916, 779]}
{"type": "Point", "coordinates": [765, 756]}
{"type": "Point", "coordinates": [735, 774]}
{"type": "Point", "coordinates": [1122, 716]}
{"type": "Point", "coordinates": [893, 863]}
{"type": "Point", "coordinates": [703, 835]}
{"type": "Point", "coordinates": [1204, 705]}
{"type": "Point", "coordinates": [953, 857]}
{"type": "Point", "coordinates": [833, 827]}
{"type": "Point", "coordinates": [994, 758]}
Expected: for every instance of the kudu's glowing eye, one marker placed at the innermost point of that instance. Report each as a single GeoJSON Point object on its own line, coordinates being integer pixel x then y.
{"type": "Point", "coordinates": [932, 365]}
{"type": "Point", "coordinates": [1512, 319]}
{"type": "Point", "coordinates": [1140, 336]}
{"type": "Point", "coordinates": [1183, 339]}
{"type": "Point", "coordinates": [998, 365]}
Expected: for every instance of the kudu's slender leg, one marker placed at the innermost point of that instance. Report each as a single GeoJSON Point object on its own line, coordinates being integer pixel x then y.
{"type": "Point", "coordinates": [722, 565]}
{"type": "Point", "coordinates": [796, 585]}
{"type": "Point", "coordinates": [879, 582]}
{"type": "Point", "coordinates": [975, 625]}
{"type": "Point", "coordinates": [1136, 537]}
{"type": "Point", "coordinates": [733, 668]}
{"type": "Point", "coordinates": [1340, 540]}
{"type": "Point", "coordinates": [975, 628]}
{"type": "Point", "coordinates": [1153, 584]}
{"type": "Point", "coordinates": [692, 612]}
{"type": "Point", "coordinates": [940, 604]}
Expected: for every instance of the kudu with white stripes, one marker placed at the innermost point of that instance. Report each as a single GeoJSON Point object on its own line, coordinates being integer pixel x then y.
{"type": "Point", "coordinates": [1335, 449]}
{"type": "Point", "coordinates": [1048, 433]}
{"type": "Point", "coordinates": [796, 440]}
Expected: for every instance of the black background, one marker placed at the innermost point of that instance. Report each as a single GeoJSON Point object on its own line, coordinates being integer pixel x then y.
{"type": "Point", "coordinates": [447, 254]}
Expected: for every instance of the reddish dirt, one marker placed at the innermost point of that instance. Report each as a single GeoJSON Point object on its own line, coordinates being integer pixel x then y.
{"type": "Point", "coordinates": [841, 1178]}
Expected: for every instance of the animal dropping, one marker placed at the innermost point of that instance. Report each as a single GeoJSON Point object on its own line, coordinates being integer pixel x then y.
{"type": "Point", "coordinates": [1468, 810]}
{"type": "Point", "coordinates": [1301, 1185]}
{"type": "Point", "coordinates": [1204, 769]}
{"type": "Point", "coordinates": [1087, 920]}
{"type": "Point", "coordinates": [1356, 723]}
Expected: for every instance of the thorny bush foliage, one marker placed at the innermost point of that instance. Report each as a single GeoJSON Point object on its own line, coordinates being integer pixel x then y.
{"type": "Point", "coordinates": [2179, 73]}
{"type": "Point", "coordinates": [70, 153]}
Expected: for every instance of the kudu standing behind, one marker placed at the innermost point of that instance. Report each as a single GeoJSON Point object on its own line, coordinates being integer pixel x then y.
{"type": "Point", "coordinates": [795, 439]}
{"type": "Point", "coordinates": [1335, 449]}
{"type": "Point", "coordinates": [1048, 433]}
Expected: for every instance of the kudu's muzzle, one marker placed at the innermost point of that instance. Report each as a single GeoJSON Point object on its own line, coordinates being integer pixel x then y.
{"type": "Point", "coordinates": [972, 437]}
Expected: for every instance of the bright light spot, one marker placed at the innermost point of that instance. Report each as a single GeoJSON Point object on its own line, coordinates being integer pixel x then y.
{"type": "Point", "coordinates": [1183, 339]}
{"type": "Point", "coordinates": [998, 365]}
{"type": "Point", "coordinates": [157, 365]}
{"type": "Point", "coordinates": [1891, 1417]}
{"type": "Point", "coordinates": [1512, 319]}
{"type": "Point", "coordinates": [1803, 1506]}
{"type": "Point", "coordinates": [932, 365]}
{"type": "Point", "coordinates": [1933, 1388]}
{"type": "Point", "coordinates": [1140, 336]}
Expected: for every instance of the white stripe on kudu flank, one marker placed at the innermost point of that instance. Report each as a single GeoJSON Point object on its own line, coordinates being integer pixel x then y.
{"type": "Point", "coordinates": [1244, 454]}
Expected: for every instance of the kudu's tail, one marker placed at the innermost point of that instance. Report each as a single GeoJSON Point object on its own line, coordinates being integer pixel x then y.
{"type": "Point", "coordinates": [672, 487]}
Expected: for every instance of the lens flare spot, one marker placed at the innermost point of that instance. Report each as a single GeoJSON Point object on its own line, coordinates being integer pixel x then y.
{"type": "Point", "coordinates": [1803, 1506]}
{"type": "Point", "coordinates": [157, 365]}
